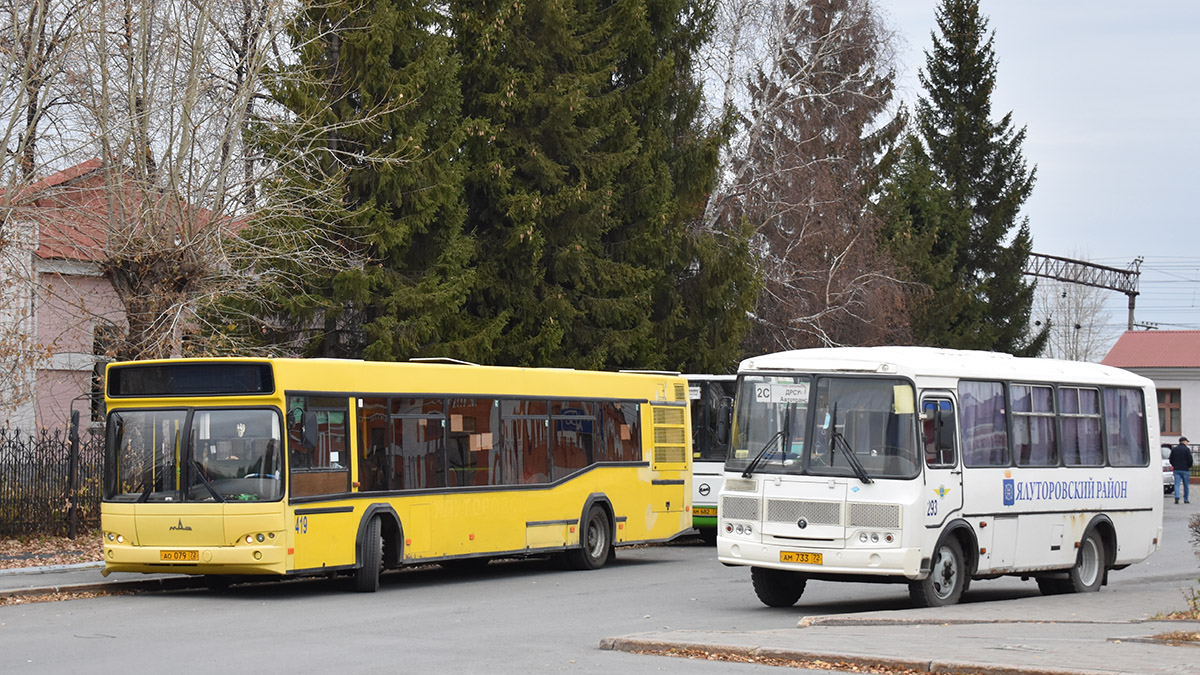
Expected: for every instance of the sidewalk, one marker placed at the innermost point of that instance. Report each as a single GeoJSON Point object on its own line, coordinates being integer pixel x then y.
{"type": "Point", "coordinates": [1106, 632]}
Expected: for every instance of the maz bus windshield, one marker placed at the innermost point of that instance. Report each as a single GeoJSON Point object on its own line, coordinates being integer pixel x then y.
{"type": "Point", "coordinates": [227, 456]}
{"type": "Point", "coordinates": [825, 426]}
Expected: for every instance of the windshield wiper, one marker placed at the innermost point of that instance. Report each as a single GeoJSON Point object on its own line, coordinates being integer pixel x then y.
{"type": "Point", "coordinates": [761, 453]}
{"type": "Point", "coordinates": [848, 451]}
{"type": "Point", "coordinates": [200, 473]}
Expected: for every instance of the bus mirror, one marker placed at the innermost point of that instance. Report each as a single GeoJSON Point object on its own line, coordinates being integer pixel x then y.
{"type": "Point", "coordinates": [724, 419]}
{"type": "Point", "coordinates": [309, 430]}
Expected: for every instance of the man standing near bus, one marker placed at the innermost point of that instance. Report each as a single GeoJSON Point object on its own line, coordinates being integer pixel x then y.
{"type": "Point", "coordinates": [1181, 462]}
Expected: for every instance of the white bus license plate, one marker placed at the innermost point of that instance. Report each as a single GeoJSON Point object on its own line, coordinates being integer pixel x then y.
{"type": "Point", "coordinates": [797, 557]}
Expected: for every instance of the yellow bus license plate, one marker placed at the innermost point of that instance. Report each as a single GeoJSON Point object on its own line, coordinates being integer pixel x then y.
{"type": "Point", "coordinates": [796, 557]}
{"type": "Point", "coordinates": [179, 556]}
{"type": "Point", "coordinates": [705, 510]}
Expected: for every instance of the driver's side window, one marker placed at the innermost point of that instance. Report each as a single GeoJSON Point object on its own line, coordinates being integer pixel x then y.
{"type": "Point", "coordinates": [938, 432]}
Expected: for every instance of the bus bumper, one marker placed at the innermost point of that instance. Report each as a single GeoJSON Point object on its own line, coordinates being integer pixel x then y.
{"type": "Point", "coordinates": [904, 562]}
{"type": "Point", "coordinates": [242, 559]}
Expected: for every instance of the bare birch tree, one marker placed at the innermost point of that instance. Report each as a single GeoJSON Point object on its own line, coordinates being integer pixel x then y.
{"type": "Point", "coordinates": [1077, 318]}
{"type": "Point", "coordinates": [36, 40]}
{"type": "Point", "coordinates": [815, 123]}
{"type": "Point", "coordinates": [170, 96]}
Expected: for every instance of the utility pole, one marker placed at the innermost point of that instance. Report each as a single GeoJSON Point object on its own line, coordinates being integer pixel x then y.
{"type": "Point", "coordinates": [1088, 274]}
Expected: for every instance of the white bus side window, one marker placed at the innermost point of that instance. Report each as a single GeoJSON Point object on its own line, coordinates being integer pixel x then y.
{"type": "Point", "coordinates": [1079, 413]}
{"type": "Point", "coordinates": [1125, 418]}
{"type": "Point", "coordinates": [938, 431]}
{"type": "Point", "coordinates": [984, 425]}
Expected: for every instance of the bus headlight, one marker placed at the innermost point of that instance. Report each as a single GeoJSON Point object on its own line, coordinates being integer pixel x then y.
{"type": "Point", "coordinates": [867, 538]}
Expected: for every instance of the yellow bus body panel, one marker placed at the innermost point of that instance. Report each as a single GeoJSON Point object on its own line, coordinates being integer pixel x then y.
{"type": "Point", "coordinates": [649, 501]}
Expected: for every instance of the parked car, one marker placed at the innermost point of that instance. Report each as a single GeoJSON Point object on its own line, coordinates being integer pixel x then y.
{"type": "Point", "coordinates": [1168, 472]}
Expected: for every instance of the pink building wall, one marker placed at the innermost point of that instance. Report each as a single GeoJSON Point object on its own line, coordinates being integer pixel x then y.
{"type": "Point", "coordinates": [69, 308]}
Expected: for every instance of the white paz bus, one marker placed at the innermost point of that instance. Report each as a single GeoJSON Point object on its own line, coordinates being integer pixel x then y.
{"type": "Point", "coordinates": [935, 467]}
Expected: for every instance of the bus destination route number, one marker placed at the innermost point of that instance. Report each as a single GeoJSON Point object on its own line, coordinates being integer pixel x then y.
{"type": "Point", "coordinates": [797, 557]}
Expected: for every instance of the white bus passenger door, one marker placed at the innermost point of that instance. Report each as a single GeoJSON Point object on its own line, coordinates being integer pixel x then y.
{"type": "Point", "coordinates": [943, 471]}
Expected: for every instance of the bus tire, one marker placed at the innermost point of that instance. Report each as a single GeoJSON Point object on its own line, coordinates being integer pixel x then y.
{"type": "Point", "coordinates": [777, 588]}
{"type": "Point", "coordinates": [595, 542]}
{"type": "Point", "coordinates": [946, 580]}
{"type": "Point", "coordinates": [1088, 573]}
{"type": "Point", "coordinates": [366, 577]}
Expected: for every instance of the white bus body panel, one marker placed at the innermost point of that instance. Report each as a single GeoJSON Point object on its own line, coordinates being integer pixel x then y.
{"type": "Point", "coordinates": [1023, 519]}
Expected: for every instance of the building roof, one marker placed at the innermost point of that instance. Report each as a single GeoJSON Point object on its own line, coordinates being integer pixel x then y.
{"type": "Point", "coordinates": [1156, 349]}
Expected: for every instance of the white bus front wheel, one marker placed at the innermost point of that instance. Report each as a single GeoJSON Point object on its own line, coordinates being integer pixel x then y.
{"type": "Point", "coordinates": [946, 580]}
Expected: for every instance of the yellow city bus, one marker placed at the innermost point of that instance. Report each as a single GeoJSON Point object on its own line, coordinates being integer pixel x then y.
{"type": "Point", "coordinates": [287, 467]}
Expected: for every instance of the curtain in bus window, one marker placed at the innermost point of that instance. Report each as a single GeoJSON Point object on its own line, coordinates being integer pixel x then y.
{"type": "Point", "coordinates": [1033, 425]}
{"type": "Point", "coordinates": [415, 442]}
{"type": "Point", "coordinates": [527, 438]}
{"type": "Point", "coordinates": [373, 461]}
{"type": "Point", "coordinates": [573, 424]}
{"type": "Point", "coordinates": [984, 429]}
{"type": "Point", "coordinates": [620, 437]}
{"type": "Point", "coordinates": [472, 452]}
{"type": "Point", "coordinates": [1079, 412]}
{"type": "Point", "coordinates": [1125, 420]}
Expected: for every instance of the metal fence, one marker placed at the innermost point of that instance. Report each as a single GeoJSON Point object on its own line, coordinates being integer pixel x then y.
{"type": "Point", "coordinates": [50, 482]}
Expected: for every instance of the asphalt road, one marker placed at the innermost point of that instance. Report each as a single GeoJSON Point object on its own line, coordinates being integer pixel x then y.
{"type": "Point", "coordinates": [512, 617]}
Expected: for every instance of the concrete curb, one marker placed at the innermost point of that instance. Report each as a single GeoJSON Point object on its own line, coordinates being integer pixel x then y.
{"type": "Point", "coordinates": [666, 648]}
{"type": "Point", "coordinates": [161, 584]}
{"type": "Point", "coordinates": [49, 569]}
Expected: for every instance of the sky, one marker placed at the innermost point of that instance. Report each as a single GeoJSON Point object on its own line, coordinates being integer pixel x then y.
{"type": "Point", "coordinates": [1109, 92]}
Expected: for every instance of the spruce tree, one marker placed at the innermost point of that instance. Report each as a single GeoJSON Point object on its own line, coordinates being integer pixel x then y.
{"type": "Point", "coordinates": [705, 283]}
{"type": "Point", "coordinates": [981, 166]}
{"type": "Point", "coordinates": [919, 233]}
{"type": "Point", "coordinates": [819, 132]}
{"type": "Point", "coordinates": [584, 160]}
{"type": "Point", "coordinates": [379, 96]}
